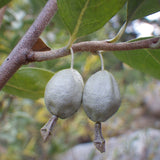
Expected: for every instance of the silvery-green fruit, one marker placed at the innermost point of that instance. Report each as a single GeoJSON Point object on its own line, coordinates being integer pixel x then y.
{"type": "Point", "coordinates": [101, 97]}
{"type": "Point", "coordinates": [63, 93]}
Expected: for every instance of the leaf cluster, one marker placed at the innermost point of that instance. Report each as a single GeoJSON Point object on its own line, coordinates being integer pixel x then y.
{"type": "Point", "coordinates": [81, 18]}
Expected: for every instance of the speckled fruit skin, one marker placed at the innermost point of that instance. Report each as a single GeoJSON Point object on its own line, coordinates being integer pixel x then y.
{"type": "Point", "coordinates": [63, 93]}
{"type": "Point", "coordinates": [101, 97]}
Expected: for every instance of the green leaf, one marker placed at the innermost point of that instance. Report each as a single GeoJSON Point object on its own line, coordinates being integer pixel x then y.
{"type": "Point", "coordinates": [145, 60]}
{"type": "Point", "coordinates": [119, 34]}
{"type": "Point", "coordinates": [4, 2]}
{"type": "Point", "coordinates": [141, 8]}
{"type": "Point", "coordinates": [28, 82]}
{"type": "Point", "coordinates": [86, 16]}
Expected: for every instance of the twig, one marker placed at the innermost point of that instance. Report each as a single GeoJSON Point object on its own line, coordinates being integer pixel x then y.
{"type": "Point", "coordinates": [156, 45]}
{"type": "Point", "coordinates": [2, 11]}
{"type": "Point", "coordinates": [91, 46]}
{"type": "Point", "coordinates": [18, 56]}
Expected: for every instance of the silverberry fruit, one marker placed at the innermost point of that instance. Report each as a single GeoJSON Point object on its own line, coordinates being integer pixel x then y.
{"type": "Point", "coordinates": [63, 97]}
{"type": "Point", "coordinates": [63, 93]}
{"type": "Point", "coordinates": [101, 99]}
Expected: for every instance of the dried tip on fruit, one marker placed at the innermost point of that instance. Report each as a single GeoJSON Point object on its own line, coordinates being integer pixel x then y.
{"type": "Point", "coordinates": [99, 141]}
{"type": "Point", "coordinates": [100, 145]}
{"type": "Point", "coordinates": [46, 130]}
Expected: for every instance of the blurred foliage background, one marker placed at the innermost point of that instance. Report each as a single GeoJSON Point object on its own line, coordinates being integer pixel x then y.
{"type": "Point", "coordinates": [21, 119]}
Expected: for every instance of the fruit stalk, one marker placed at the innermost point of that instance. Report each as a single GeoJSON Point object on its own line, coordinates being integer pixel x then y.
{"type": "Point", "coordinates": [72, 58]}
{"type": "Point", "coordinates": [99, 141]}
{"type": "Point", "coordinates": [101, 58]}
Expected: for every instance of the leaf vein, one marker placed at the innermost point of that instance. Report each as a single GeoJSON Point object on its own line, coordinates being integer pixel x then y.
{"type": "Point", "coordinates": [22, 89]}
{"type": "Point", "coordinates": [152, 56]}
{"type": "Point", "coordinates": [79, 22]}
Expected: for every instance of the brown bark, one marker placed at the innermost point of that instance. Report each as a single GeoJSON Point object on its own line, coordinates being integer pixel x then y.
{"type": "Point", "coordinates": [18, 56]}
{"type": "Point", "coordinates": [91, 46]}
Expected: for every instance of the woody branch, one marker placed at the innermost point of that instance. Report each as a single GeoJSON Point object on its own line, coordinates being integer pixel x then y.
{"type": "Point", "coordinates": [91, 46]}
{"type": "Point", "coordinates": [18, 56]}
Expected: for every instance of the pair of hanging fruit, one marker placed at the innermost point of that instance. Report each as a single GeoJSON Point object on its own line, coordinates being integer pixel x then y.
{"type": "Point", "coordinates": [65, 92]}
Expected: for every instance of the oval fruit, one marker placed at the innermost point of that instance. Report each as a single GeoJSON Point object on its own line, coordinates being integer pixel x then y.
{"type": "Point", "coordinates": [63, 93]}
{"type": "Point", "coordinates": [101, 97]}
